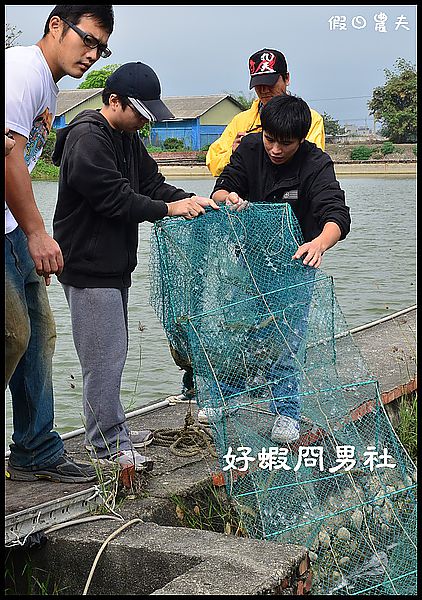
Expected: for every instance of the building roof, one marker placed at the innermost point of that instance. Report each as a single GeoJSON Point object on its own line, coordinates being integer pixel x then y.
{"type": "Point", "coordinates": [192, 107]}
{"type": "Point", "coordinates": [183, 107]}
{"type": "Point", "coordinates": [68, 99]}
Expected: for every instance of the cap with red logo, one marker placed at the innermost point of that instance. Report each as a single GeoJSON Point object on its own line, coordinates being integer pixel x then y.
{"type": "Point", "coordinates": [266, 66]}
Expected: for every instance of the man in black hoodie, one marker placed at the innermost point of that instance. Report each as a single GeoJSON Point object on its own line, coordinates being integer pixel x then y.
{"type": "Point", "coordinates": [108, 185]}
{"type": "Point", "coordinates": [280, 165]}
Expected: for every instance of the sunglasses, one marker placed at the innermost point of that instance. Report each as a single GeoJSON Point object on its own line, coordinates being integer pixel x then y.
{"type": "Point", "coordinates": [89, 40]}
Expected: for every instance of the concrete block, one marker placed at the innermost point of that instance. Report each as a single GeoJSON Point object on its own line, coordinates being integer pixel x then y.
{"type": "Point", "coordinates": [149, 559]}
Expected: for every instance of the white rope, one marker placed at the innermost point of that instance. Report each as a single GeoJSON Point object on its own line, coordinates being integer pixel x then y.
{"type": "Point", "coordinates": [101, 550]}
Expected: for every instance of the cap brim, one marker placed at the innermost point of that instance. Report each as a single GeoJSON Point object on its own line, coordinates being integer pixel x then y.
{"type": "Point", "coordinates": [153, 110]}
{"type": "Point", "coordinates": [264, 79]}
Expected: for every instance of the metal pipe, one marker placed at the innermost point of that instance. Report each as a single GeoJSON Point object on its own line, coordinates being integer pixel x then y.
{"type": "Point", "coordinates": [393, 316]}
{"type": "Point", "coordinates": [134, 413]}
{"type": "Point", "coordinates": [366, 326]}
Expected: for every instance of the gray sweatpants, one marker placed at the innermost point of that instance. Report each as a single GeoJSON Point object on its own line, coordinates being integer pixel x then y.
{"type": "Point", "coordinates": [100, 334]}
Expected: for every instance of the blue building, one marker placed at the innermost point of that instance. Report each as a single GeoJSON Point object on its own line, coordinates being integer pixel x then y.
{"type": "Point", "coordinates": [72, 102]}
{"type": "Point", "coordinates": [199, 120]}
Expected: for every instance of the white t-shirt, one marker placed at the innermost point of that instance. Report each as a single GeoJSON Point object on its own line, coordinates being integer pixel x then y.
{"type": "Point", "coordinates": [31, 100]}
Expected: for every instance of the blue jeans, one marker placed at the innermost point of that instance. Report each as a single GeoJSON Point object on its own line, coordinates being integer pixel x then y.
{"type": "Point", "coordinates": [279, 377]}
{"type": "Point", "coordinates": [286, 371]}
{"type": "Point", "coordinates": [183, 362]}
{"type": "Point", "coordinates": [30, 336]}
{"type": "Point", "coordinates": [278, 380]}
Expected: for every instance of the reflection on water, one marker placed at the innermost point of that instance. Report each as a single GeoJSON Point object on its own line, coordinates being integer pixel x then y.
{"type": "Point", "coordinates": [374, 271]}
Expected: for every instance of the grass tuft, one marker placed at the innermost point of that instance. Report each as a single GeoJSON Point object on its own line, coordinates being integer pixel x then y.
{"type": "Point", "coordinates": [407, 427]}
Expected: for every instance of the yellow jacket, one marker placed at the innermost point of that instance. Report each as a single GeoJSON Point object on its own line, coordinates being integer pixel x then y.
{"type": "Point", "coordinates": [220, 151]}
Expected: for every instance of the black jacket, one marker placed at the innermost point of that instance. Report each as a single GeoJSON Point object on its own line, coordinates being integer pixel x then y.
{"type": "Point", "coordinates": [307, 182]}
{"type": "Point", "coordinates": [108, 184]}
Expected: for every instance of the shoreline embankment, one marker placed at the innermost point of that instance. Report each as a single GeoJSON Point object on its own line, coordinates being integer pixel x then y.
{"type": "Point", "coordinates": [341, 169]}
{"type": "Point", "coordinates": [194, 170]}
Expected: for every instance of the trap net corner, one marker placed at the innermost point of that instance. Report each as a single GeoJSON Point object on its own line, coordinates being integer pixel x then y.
{"type": "Point", "coordinates": [266, 337]}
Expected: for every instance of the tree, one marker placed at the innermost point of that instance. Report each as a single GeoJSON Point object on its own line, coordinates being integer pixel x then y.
{"type": "Point", "coordinates": [394, 103]}
{"type": "Point", "coordinates": [331, 126]}
{"type": "Point", "coordinates": [11, 35]}
{"type": "Point", "coordinates": [97, 79]}
{"type": "Point", "coordinates": [244, 101]}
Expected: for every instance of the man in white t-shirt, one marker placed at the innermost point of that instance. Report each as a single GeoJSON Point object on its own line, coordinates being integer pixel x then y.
{"type": "Point", "coordinates": [75, 37]}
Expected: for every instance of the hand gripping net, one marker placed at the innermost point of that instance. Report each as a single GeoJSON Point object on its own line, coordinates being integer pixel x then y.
{"type": "Point", "coordinates": [265, 336]}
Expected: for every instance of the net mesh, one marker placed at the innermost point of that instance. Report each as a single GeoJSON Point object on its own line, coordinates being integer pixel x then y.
{"type": "Point", "coordinates": [266, 337]}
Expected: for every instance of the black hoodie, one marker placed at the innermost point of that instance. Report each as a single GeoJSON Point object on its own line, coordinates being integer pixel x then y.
{"type": "Point", "coordinates": [108, 184]}
{"type": "Point", "coordinates": [307, 182]}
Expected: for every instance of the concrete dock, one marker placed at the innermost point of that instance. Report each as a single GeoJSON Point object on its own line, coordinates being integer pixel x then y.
{"type": "Point", "coordinates": [157, 532]}
{"type": "Point", "coordinates": [158, 553]}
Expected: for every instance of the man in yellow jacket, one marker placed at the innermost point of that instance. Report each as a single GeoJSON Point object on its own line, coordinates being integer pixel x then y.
{"type": "Point", "coordinates": [269, 77]}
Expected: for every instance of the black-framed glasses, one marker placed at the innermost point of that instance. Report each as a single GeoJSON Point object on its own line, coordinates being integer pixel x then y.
{"type": "Point", "coordinates": [89, 40]}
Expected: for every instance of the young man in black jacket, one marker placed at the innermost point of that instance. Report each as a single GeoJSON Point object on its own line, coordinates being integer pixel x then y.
{"type": "Point", "coordinates": [108, 185]}
{"type": "Point", "coordinates": [279, 165]}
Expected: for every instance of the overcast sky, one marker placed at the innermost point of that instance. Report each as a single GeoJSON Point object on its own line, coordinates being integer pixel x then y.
{"type": "Point", "coordinates": [336, 54]}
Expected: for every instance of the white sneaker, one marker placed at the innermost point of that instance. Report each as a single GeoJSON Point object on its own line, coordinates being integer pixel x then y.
{"type": "Point", "coordinates": [213, 415]}
{"type": "Point", "coordinates": [285, 430]}
{"type": "Point", "coordinates": [128, 458]}
{"type": "Point", "coordinates": [210, 415]}
{"type": "Point", "coordinates": [142, 438]}
{"type": "Point", "coordinates": [179, 398]}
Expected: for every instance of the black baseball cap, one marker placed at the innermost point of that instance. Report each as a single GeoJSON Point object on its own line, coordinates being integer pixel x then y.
{"type": "Point", "coordinates": [142, 87]}
{"type": "Point", "coordinates": [266, 66]}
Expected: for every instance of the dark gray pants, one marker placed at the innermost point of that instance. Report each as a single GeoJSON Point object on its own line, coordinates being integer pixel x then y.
{"type": "Point", "coordinates": [100, 334]}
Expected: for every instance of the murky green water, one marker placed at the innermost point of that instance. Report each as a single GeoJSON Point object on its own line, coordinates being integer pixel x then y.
{"type": "Point", "coordinates": [374, 271]}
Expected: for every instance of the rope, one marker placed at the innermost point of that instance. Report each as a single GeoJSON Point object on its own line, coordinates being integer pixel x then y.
{"type": "Point", "coordinates": [103, 547]}
{"type": "Point", "coordinates": [185, 441]}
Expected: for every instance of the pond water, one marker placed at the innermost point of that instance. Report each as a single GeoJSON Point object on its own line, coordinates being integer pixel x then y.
{"type": "Point", "coordinates": [374, 271]}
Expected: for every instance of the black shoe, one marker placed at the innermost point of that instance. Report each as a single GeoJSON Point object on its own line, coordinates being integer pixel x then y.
{"type": "Point", "coordinates": [65, 470]}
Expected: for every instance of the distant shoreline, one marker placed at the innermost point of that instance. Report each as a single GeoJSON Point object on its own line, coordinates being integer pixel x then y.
{"type": "Point", "coordinates": [384, 168]}
{"type": "Point", "coordinates": [369, 168]}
